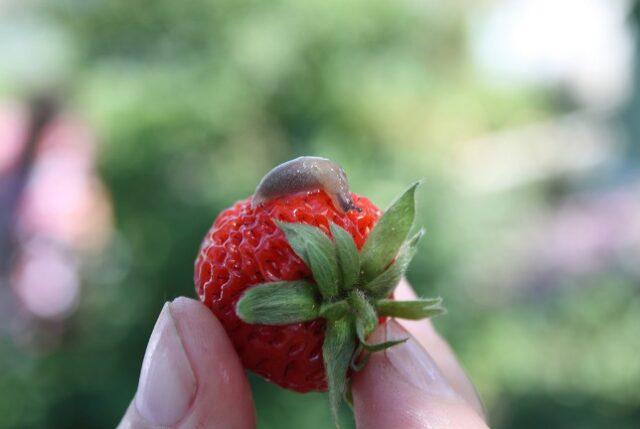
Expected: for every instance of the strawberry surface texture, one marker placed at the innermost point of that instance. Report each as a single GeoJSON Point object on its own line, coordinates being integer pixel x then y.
{"type": "Point", "coordinates": [243, 248]}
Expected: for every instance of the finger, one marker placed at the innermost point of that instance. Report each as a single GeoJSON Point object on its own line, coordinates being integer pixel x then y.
{"type": "Point", "coordinates": [191, 376]}
{"type": "Point", "coordinates": [402, 387]}
{"type": "Point", "coordinates": [440, 351]}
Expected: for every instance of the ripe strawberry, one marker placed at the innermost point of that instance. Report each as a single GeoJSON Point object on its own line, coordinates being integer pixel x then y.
{"type": "Point", "coordinates": [301, 278]}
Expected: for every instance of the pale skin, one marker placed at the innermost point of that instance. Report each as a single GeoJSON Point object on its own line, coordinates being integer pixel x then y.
{"type": "Point", "coordinates": [192, 378]}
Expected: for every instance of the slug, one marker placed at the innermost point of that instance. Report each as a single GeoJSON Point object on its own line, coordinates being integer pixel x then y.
{"type": "Point", "coordinates": [306, 173]}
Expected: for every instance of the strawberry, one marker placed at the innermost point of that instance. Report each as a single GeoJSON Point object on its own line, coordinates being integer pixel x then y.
{"type": "Point", "coordinates": [300, 274]}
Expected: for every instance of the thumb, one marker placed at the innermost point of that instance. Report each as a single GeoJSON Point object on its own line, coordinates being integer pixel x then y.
{"type": "Point", "coordinates": [191, 375]}
{"type": "Point", "coordinates": [403, 387]}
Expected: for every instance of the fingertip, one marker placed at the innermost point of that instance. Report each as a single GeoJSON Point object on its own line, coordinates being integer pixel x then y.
{"type": "Point", "coordinates": [440, 350]}
{"type": "Point", "coordinates": [403, 387]}
{"type": "Point", "coordinates": [191, 375]}
{"type": "Point", "coordinates": [184, 304]}
{"type": "Point", "coordinates": [224, 395]}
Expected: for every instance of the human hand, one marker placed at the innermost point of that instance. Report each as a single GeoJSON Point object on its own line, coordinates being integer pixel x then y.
{"type": "Point", "coordinates": [415, 385]}
{"type": "Point", "coordinates": [192, 378]}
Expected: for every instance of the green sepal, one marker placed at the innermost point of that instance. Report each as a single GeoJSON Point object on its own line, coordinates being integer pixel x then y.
{"type": "Point", "coordinates": [348, 395]}
{"type": "Point", "coordinates": [365, 314]}
{"type": "Point", "coordinates": [279, 303]}
{"type": "Point", "coordinates": [334, 310]}
{"type": "Point", "coordinates": [348, 256]}
{"type": "Point", "coordinates": [337, 351]}
{"type": "Point", "coordinates": [372, 348]}
{"type": "Point", "coordinates": [317, 250]}
{"type": "Point", "coordinates": [368, 349]}
{"type": "Point", "coordinates": [387, 236]}
{"type": "Point", "coordinates": [386, 282]}
{"type": "Point", "coordinates": [412, 310]}
{"type": "Point", "coordinates": [324, 266]}
{"type": "Point", "coordinates": [359, 365]}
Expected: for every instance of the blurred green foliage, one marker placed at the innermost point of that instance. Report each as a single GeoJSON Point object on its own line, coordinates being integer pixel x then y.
{"type": "Point", "coordinates": [194, 101]}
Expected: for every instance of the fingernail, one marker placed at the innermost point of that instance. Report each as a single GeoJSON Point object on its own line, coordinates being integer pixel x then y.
{"type": "Point", "coordinates": [167, 383]}
{"type": "Point", "coordinates": [414, 365]}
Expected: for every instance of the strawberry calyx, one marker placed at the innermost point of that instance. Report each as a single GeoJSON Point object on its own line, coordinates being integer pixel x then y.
{"type": "Point", "coordinates": [349, 289]}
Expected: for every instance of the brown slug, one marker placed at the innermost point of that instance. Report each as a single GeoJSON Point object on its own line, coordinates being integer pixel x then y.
{"type": "Point", "coordinates": [306, 173]}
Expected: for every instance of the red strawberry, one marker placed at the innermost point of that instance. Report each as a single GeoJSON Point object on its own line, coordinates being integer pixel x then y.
{"type": "Point", "coordinates": [300, 280]}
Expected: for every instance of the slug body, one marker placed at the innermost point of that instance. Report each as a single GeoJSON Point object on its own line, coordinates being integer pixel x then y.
{"type": "Point", "coordinates": [306, 173]}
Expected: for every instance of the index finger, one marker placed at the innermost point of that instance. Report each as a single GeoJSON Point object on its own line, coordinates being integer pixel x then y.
{"type": "Point", "coordinates": [440, 351]}
{"type": "Point", "coordinates": [402, 387]}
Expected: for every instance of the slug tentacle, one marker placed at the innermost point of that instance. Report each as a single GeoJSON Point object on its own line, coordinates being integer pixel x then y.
{"type": "Point", "coordinates": [306, 173]}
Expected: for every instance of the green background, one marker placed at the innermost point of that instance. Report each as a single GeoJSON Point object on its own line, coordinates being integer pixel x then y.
{"type": "Point", "coordinates": [194, 101]}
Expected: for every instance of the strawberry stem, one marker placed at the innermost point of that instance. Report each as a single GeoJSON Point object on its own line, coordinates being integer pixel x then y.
{"type": "Point", "coordinates": [337, 350]}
